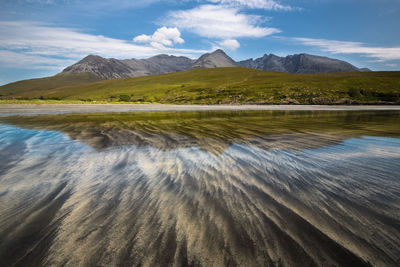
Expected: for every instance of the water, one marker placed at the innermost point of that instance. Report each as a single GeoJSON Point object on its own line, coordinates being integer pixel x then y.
{"type": "Point", "coordinates": [201, 188]}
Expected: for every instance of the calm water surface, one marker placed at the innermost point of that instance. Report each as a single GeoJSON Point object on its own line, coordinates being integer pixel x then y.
{"type": "Point", "coordinates": [246, 188]}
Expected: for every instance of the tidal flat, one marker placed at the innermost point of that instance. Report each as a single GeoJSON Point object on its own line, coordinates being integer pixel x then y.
{"type": "Point", "coordinates": [201, 188]}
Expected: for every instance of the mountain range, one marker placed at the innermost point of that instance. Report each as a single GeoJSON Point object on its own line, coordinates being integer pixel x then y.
{"type": "Point", "coordinates": [300, 63]}
{"type": "Point", "coordinates": [110, 68]}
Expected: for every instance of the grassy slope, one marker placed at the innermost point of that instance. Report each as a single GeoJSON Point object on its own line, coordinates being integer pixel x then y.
{"type": "Point", "coordinates": [38, 87]}
{"type": "Point", "coordinates": [229, 85]}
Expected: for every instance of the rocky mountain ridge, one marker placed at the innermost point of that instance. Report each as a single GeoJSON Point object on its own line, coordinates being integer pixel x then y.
{"type": "Point", "coordinates": [216, 59]}
{"type": "Point", "coordinates": [299, 63]}
{"type": "Point", "coordinates": [110, 68]}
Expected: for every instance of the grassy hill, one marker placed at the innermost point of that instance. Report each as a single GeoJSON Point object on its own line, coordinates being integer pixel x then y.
{"type": "Point", "coordinates": [37, 87]}
{"type": "Point", "coordinates": [219, 85]}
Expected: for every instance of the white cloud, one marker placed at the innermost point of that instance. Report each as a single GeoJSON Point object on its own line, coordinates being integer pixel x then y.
{"type": "Point", "coordinates": [256, 4]}
{"type": "Point", "coordinates": [218, 21]}
{"type": "Point", "coordinates": [38, 45]}
{"type": "Point", "coordinates": [161, 37]}
{"type": "Point", "coordinates": [142, 38]}
{"type": "Point", "coordinates": [230, 44]}
{"type": "Point", "coordinates": [340, 47]}
{"type": "Point", "coordinates": [25, 60]}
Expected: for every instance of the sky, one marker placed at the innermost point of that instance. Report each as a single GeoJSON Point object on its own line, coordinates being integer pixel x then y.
{"type": "Point", "coordinates": [41, 37]}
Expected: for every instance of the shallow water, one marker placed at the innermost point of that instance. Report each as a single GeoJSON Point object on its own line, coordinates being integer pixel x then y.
{"type": "Point", "coordinates": [201, 188]}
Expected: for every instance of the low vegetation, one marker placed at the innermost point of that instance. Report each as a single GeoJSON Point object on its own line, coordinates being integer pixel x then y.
{"type": "Point", "coordinates": [214, 86]}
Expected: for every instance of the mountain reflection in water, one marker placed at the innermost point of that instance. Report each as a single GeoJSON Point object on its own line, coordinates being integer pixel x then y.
{"type": "Point", "coordinates": [200, 188]}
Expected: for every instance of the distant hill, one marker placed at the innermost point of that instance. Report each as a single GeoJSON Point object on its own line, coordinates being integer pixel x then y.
{"type": "Point", "coordinates": [233, 85]}
{"type": "Point", "coordinates": [301, 63]}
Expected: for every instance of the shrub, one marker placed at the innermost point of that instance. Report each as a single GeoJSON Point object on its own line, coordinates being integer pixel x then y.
{"type": "Point", "coordinates": [354, 92]}
{"type": "Point", "coordinates": [124, 98]}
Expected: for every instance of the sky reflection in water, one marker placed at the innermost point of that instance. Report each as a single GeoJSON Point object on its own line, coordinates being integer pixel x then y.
{"type": "Point", "coordinates": [196, 189]}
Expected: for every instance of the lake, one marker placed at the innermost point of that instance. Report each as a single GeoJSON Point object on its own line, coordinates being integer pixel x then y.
{"type": "Point", "coordinates": [201, 188]}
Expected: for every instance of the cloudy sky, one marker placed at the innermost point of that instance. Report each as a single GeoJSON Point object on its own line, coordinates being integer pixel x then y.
{"type": "Point", "coordinates": [41, 37]}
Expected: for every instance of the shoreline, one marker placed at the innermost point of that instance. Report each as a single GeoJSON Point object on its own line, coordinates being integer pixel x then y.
{"type": "Point", "coordinates": [37, 109]}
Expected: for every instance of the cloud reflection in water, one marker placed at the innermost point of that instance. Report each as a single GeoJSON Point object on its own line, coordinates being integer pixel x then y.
{"type": "Point", "coordinates": [296, 198]}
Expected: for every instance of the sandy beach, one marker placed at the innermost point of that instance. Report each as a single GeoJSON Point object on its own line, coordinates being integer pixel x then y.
{"type": "Point", "coordinates": [35, 109]}
{"type": "Point", "coordinates": [248, 188]}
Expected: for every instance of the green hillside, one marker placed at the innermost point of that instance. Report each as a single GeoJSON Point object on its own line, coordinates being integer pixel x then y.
{"type": "Point", "coordinates": [220, 85]}
{"type": "Point", "coordinates": [37, 87]}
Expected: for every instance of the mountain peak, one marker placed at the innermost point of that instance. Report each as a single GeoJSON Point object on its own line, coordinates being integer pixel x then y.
{"type": "Point", "coordinates": [299, 63]}
{"type": "Point", "coordinates": [110, 68]}
{"type": "Point", "coordinates": [216, 59]}
{"type": "Point", "coordinates": [219, 51]}
{"type": "Point", "coordinates": [92, 58]}
{"type": "Point", "coordinates": [101, 67]}
{"type": "Point", "coordinates": [113, 68]}
{"type": "Point", "coordinates": [162, 56]}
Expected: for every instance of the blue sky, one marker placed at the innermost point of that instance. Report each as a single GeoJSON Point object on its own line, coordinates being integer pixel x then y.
{"type": "Point", "coordinates": [41, 37]}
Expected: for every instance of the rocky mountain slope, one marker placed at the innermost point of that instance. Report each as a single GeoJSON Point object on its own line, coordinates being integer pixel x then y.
{"type": "Point", "coordinates": [300, 63]}
{"type": "Point", "coordinates": [110, 68]}
{"type": "Point", "coordinates": [216, 59]}
{"type": "Point", "coordinates": [161, 64]}
{"type": "Point", "coordinates": [113, 68]}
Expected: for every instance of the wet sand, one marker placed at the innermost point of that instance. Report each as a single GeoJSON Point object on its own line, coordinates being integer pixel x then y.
{"type": "Point", "coordinates": [35, 109]}
{"type": "Point", "coordinates": [232, 188]}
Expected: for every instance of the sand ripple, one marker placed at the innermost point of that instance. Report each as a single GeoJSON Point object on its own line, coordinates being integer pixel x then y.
{"type": "Point", "coordinates": [253, 203]}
